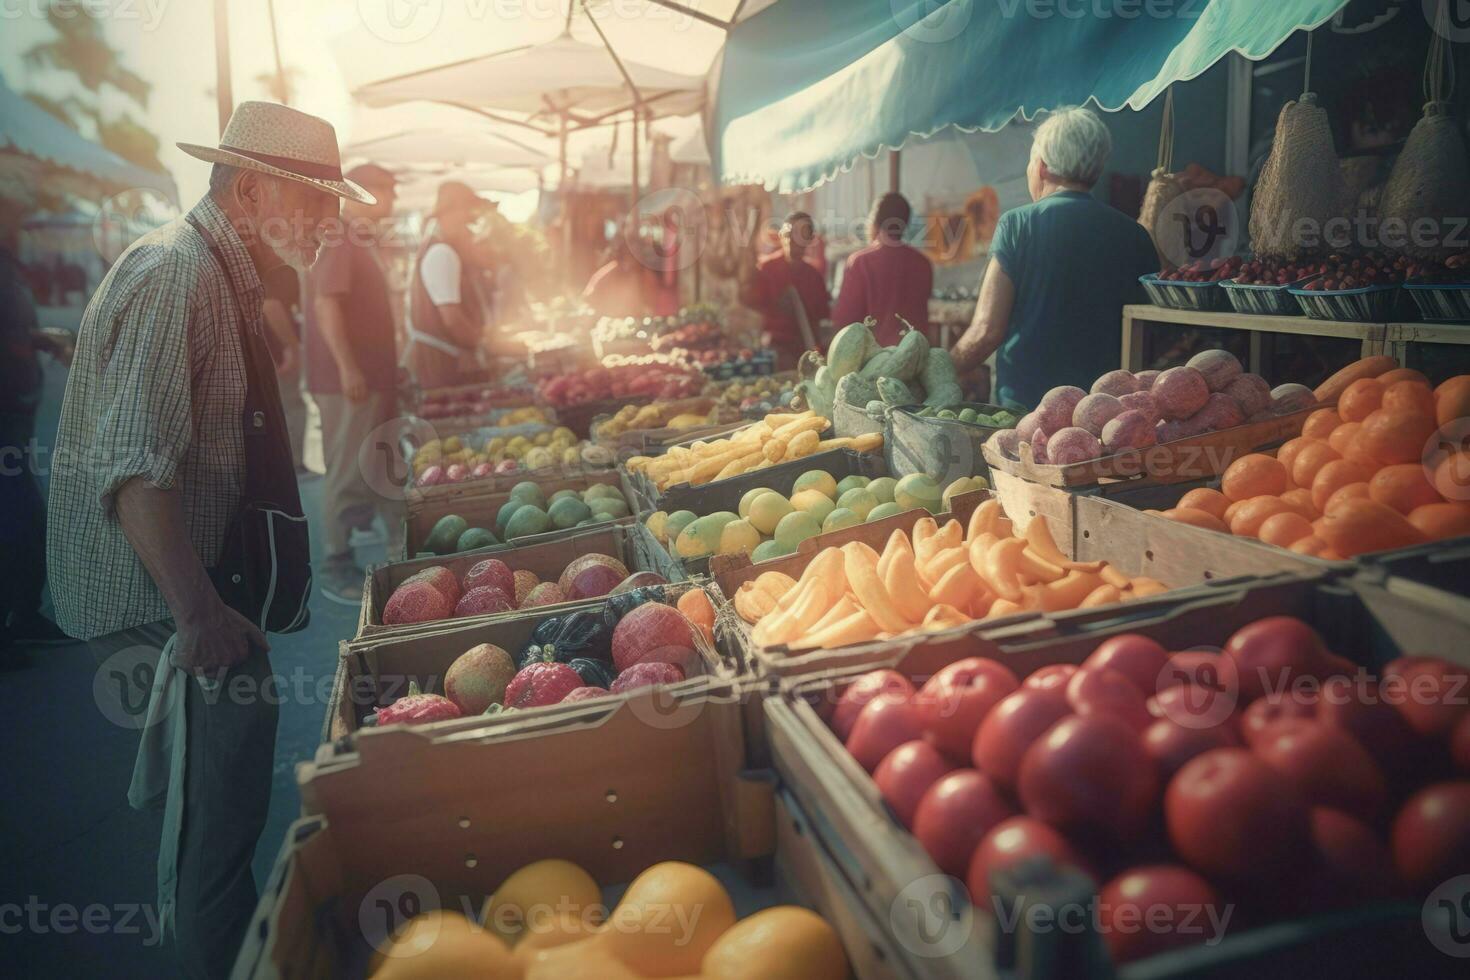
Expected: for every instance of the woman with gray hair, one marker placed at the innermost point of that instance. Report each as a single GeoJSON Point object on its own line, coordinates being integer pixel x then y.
{"type": "Point", "coordinates": [1060, 271]}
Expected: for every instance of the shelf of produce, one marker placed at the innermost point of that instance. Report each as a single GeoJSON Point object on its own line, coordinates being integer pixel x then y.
{"type": "Point", "coordinates": [1138, 318]}
{"type": "Point", "coordinates": [930, 911]}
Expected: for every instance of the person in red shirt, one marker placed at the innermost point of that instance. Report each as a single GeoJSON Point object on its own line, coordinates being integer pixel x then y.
{"type": "Point", "coordinates": [618, 287]}
{"type": "Point", "coordinates": [886, 279]}
{"type": "Point", "coordinates": [785, 283]}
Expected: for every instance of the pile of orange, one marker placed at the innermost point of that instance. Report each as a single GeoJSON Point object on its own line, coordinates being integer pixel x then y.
{"type": "Point", "coordinates": [1386, 468]}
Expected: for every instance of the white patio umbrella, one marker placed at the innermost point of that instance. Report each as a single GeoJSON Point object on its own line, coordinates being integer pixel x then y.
{"type": "Point", "coordinates": [458, 147]}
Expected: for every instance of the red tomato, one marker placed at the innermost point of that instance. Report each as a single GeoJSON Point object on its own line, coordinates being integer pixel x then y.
{"type": "Point", "coordinates": [906, 773]}
{"type": "Point", "coordinates": [1266, 711]}
{"type": "Point", "coordinates": [1328, 767]}
{"type": "Point", "coordinates": [1089, 774]}
{"type": "Point", "coordinates": [1105, 691]}
{"type": "Point", "coordinates": [1009, 730]}
{"type": "Point", "coordinates": [1194, 706]}
{"type": "Point", "coordinates": [1008, 844]}
{"type": "Point", "coordinates": [1460, 745]}
{"type": "Point", "coordinates": [1359, 709]}
{"type": "Point", "coordinates": [1352, 862]}
{"type": "Point", "coordinates": [954, 702]}
{"type": "Point", "coordinates": [1431, 835]}
{"type": "Point", "coordinates": [1052, 675]}
{"type": "Point", "coordinates": [1270, 652]}
{"type": "Point", "coordinates": [1431, 694]}
{"type": "Point", "coordinates": [1171, 744]}
{"type": "Point", "coordinates": [1232, 815]}
{"type": "Point", "coordinates": [863, 690]}
{"type": "Point", "coordinates": [1137, 657]}
{"type": "Point", "coordinates": [882, 726]}
{"type": "Point", "coordinates": [955, 813]}
{"type": "Point", "coordinates": [1157, 907]}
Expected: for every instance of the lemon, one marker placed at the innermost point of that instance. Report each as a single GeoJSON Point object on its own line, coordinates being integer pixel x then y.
{"type": "Point", "coordinates": [749, 498]}
{"type": "Point", "coordinates": [882, 488]}
{"type": "Point", "coordinates": [767, 510]}
{"type": "Point", "coordinates": [839, 519]}
{"type": "Point", "coordinates": [816, 480]}
{"type": "Point", "coordinates": [859, 500]}
{"type": "Point", "coordinates": [813, 502]}
{"type": "Point", "coordinates": [795, 528]}
{"type": "Point", "coordinates": [739, 537]}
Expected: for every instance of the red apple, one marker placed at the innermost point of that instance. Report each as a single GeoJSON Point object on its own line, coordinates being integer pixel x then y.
{"type": "Point", "coordinates": [1270, 653]}
{"type": "Point", "coordinates": [1052, 675]}
{"type": "Point", "coordinates": [882, 726]}
{"type": "Point", "coordinates": [885, 682]}
{"type": "Point", "coordinates": [1230, 814]}
{"type": "Point", "coordinates": [954, 702]}
{"type": "Point", "coordinates": [1011, 727]}
{"type": "Point", "coordinates": [1432, 694]}
{"type": "Point", "coordinates": [1266, 711]}
{"type": "Point", "coordinates": [956, 812]}
{"type": "Point", "coordinates": [1090, 774]}
{"type": "Point", "coordinates": [906, 773]}
{"type": "Point", "coordinates": [1431, 835]}
{"type": "Point", "coordinates": [1153, 908]}
{"type": "Point", "coordinates": [1139, 658]}
{"type": "Point", "coordinates": [1352, 862]}
{"type": "Point", "coordinates": [1105, 691]}
{"type": "Point", "coordinates": [1171, 744]}
{"type": "Point", "coordinates": [1327, 766]}
{"type": "Point", "coordinates": [1008, 844]}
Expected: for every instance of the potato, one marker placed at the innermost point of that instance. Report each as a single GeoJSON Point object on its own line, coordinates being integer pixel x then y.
{"type": "Point", "coordinates": [1128, 430]}
{"type": "Point", "coordinates": [1251, 393]}
{"type": "Point", "coordinates": [1219, 367]}
{"type": "Point", "coordinates": [1179, 392]}
{"type": "Point", "coordinates": [1055, 411]}
{"type": "Point", "coordinates": [1072, 445]}
{"type": "Point", "coordinates": [1117, 383]}
{"type": "Point", "coordinates": [1095, 411]}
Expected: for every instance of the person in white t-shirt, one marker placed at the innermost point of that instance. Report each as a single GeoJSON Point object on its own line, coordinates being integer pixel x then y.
{"type": "Point", "coordinates": [446, 310]}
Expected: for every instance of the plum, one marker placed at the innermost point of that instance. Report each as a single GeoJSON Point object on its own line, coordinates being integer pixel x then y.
{"type": "Point", "coordinates": [1289, 398]}
{"type": "Point", "coordinates": [1220, 367]}
{"type": "Point", "coordinates": [1219, 412]}
{"type": "Point", "coordinates": [1180, 392]}
{"type": "Point", "coordinates": [1026, 428]}
{"type": "Point", "coordinates": [1128, 430]}
{"type": "Point", "coordinates": [1251, 393]}
{"type": "Point", "coordinates": [1117, 383]}
{"type": "Point", "coordinates": [1055, 411]}
{"type": "Point", "coordinates": [1072, 445]}
{"type": "Point", "coordinates": [1141, 401]}
{"type": "Point", "coordinates": [1095, 411]}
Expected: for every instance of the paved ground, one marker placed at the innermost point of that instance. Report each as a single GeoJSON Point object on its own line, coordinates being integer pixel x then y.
{"type": "Point", "coordinates": [70, 839]}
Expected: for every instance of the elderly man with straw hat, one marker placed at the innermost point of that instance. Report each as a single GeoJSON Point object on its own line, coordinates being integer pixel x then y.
{"type": "Point", "coordinates": [176, 528]}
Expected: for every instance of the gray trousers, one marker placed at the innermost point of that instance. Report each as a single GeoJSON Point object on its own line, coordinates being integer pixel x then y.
{"type": "Point", "coordinates": [365, 469]}
{"type": "Point", "coordinates": [229, 756]}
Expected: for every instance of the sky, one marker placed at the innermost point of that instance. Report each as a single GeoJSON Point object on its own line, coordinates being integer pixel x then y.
{"type": "Point", "coordinates": [331, 45]}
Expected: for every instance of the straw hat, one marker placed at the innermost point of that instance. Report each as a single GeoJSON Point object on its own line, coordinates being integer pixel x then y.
{"type": "Point", "coordinates": [283, 142]}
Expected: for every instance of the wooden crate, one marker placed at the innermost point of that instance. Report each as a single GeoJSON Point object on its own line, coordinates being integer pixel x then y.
{"type": "Point", "coordinates": [623, 795]}
{"type": "Point", "coordinates": [544, 554]}
{"type": "Point", "coordinates": [376, 671]}
{"type": "Point", "coordinates": [930, 913]}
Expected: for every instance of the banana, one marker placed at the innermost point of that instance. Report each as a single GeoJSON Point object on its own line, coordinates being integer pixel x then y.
{"type": "Point", "coordinates": [1003, 568]}
{"type": "Point", "coordinates": [862, 576]}
{"type": "Point", "coordinates": [902, 581]}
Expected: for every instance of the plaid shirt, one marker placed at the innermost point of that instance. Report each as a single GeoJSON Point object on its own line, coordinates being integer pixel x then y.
{"type": "Point", "coordinates": [156, 391]}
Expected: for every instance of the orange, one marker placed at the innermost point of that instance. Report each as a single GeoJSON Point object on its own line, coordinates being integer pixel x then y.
{"type": "Point", "coordinates": [1309, 545]}
{"type": "Point", "coordinates": [1311, 459]}
{"type": "Point", "coordinates": [1357, 451]}
{"type": "Point", "coordinates": [1254, 475]}
{"type": "Point", "coordinates": [1229, 516]}
{"type": "Point", "coordinates": [1452, 399]}
{"type": "Point", "coordinates": [1342, 436]}
{"type": "Point", "coordinates": [1253, 512]}
{"type": "Point", "coordinates": [1361, 398]}
{"type": "Point", "coordinates": [1198, 518]}
{"type": "Point", "coordinates": [1352, 491]}
{"type": "Point", "coordinates": [1319, 424]}
{"type": "Point", "coordinates": [1287, 453]}
{"type": "Point", "coordinates": [1439, 521]}
{"type": "Point", "coordinates": [1285, 529]}
{"type": "Point", "coordinates": [1300, 500]}
{"type": "Point", "coordinates": [1403, 486]}
{"type": "Point", "coordinates": [1393, 377]}
{"type": "Point", "coordinates": [1452, 477]}
{"type": "Point", "coordinates": [1391, 436]}
{"type": "Point", "coordinates": [1409, 396]}
{"type": "Point", "coordinates": [1361, 526]}
{"type": "Point", "coordinates": [696, 607]}
{"type": "Point", "coordinates": [1334, 476]}
{"type": "Point", "coordinates": [1207, 500]}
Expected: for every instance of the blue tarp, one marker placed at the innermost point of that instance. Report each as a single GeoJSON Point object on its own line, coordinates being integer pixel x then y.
{"type": "Point", "coordinates": [808, 86]}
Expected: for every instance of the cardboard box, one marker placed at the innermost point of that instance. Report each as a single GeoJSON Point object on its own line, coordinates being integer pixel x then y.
{"type": "Point", "coordinates": [623, 540]}
{"type": "Point", "coordinates": [378, 670]}
{"type": "Point", "coordinates": [929, 912]}
{"type": "Point", "coordinates": [399, 825]}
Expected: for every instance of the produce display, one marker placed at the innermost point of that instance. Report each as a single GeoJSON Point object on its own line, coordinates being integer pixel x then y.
{"type": "Point", "coordinates": [465, 458]}
{"type": "Point", "coordinates": [1272, 775]}
{"type": "Point", "coordinates": [757, 397]}
{"type": "Point", "coordinates": [484, 401]}
{"type": "Point", "coordinates": [1357, 479]}
{"type": "Point", "coordinates": [1126, 411]}
{"type": "Point", "coordinates": [778, 438]}
{"type": "Point", "coordinates": [637, 939]}
{"type": "Point", "coordinates": [492, 586]}
{"type": "Point", "coordinates": [688, 414]}
{"type": "Point", "coordinates": [1204, 270]}
{"type": "Point", "coordinates": [1002, 419]}
{"type": "Point", "coordinates": [528, 511]}
{"type": "Point", "coordinates": [636, 639]}
{"type": "Point", "coordinates": [768, 524]}
{"type": "Point", "coordinates": [865, 376]}
{"type": "Point", "coordinates": [934, 579]}
{"type": "Point", "coordinates": [630, 377]}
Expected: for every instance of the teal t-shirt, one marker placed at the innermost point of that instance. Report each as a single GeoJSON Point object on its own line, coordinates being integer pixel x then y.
{"type": "Point", "coordinates": [1075, 262]}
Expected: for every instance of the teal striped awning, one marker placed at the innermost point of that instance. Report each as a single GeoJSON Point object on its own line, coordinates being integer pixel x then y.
{"type": "Point", "coordinates": [806, 87]}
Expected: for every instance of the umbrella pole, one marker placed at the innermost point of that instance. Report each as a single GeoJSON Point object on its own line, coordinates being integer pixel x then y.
{"type": "Point", "coordinates": [222, 91]}
{"type": "Point", "coordinates": [635, 164]}
{"type": "Point", "coordinates": [566, 206]}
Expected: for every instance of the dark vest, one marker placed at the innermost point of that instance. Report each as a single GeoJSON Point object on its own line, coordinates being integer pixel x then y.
{"type": "Point", "coordinates": [430, 359]}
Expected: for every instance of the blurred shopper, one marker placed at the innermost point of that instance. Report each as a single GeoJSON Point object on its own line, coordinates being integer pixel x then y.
{"type": "Point", "coordinates": [22, 509]}
{"type": "Point", "coordinates": [281, 310]}
{"type": "Point", "coordinates": [1061, 270]}
{"type": "Point", "coordinates": [175, 520]}
{"type": "Point", "coordinates": [886, 279]}
{"type": "Point", "coordinates": [789, 294]}
{"type": "Point", "coordinates": [446, 311]}
{"type": "Point", "coordinates": [351, 373]}
{"type": "Point", "coordinates": [618, 287]}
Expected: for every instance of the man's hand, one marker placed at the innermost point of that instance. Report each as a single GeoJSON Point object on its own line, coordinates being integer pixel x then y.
{"type": "Point", "coordinates": [286, 360]}
{"type": "Point", "coordinates": [354, 385]}
{"type": "Point", "coordinates": [216, 640]}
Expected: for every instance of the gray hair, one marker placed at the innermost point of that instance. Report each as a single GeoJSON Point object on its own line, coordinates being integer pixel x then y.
{"type": "Point", "coordinates": [221, 175]}
{"type": "Point", "coordinates": [1074, 144]}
